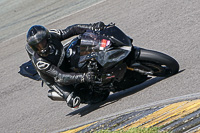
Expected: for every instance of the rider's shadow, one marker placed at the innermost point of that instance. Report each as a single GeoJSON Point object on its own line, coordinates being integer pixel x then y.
{"type": "Point", "coordinates": [115, 97]}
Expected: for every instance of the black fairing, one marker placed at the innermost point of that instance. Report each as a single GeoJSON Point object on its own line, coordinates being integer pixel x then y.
{"type": "Point", "coordinates": [115, 32]}
{"type": "Point", "coordinates": [112, 53]}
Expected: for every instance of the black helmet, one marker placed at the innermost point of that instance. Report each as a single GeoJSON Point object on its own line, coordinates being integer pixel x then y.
{"type": "Point", "coordinates": [37, 38]}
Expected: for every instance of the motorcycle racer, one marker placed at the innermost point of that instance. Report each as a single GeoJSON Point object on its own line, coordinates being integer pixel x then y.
{"type": "Point", "coordinates": [49, 58]}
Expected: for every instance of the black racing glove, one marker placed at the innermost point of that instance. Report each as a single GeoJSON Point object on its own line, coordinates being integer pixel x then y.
{"type": "Point", "coordinates": [89, 77]}
{"type": "Point", "coordinates": [99, 26]}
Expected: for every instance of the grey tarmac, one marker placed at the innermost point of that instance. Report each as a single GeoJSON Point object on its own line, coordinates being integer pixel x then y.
{"type": "Point", "coordinates": [171, 27]}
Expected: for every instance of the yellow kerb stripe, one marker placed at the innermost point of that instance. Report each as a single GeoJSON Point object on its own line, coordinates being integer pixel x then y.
{"type": "Point", "coordinates": [183, 111]}
{"type": "Point", "coordinates": [167, 114]}
{"type": "Point", "coordinates": [78, 129]}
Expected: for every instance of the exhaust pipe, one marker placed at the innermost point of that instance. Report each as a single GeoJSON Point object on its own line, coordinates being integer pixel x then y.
{"type": "Point", "coordinates": [53, 95]}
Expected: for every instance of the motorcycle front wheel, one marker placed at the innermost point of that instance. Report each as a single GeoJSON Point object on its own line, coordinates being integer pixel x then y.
{"type": "Point", "coordinates": [156, 63]}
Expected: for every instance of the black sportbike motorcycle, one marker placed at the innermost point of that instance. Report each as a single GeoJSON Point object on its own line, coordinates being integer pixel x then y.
{"type": "Point", "coordinates": [117, 64]}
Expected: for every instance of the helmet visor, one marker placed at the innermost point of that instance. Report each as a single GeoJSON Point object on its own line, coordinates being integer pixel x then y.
{"type": "Point", "coordinates": [42, 48]}
{"type": "Point", "coordinates": [42, 45]}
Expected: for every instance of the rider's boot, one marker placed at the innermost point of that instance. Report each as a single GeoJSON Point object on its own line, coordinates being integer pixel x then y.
{"type": "Point", "coordinates": [73, 100]}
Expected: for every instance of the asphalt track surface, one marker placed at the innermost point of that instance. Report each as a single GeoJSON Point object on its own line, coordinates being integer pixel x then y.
{"type": "Point", "coordinates": [172, 27]}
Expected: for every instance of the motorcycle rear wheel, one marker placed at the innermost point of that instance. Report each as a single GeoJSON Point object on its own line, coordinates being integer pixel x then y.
{"type": "Point", "coordinates": [157, 63]}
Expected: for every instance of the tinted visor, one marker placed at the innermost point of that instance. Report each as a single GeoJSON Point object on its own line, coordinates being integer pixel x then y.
{"type": "Point", "coordinates": [42, 48]}
{"type": "Point", "coordinates": [42, 45]}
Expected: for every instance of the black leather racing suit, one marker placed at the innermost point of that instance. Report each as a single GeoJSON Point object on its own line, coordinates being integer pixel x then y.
{"type": "Point", "coordinates": [55, 68]}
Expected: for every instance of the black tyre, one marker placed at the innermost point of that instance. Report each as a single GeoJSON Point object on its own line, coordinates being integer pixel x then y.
{"type": "Point", "coordinates": [158, 63]}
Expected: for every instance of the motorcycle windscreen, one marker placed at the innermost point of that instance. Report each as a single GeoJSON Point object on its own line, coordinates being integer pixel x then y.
{"type": "Point", "coordinates": [89, 43]}
{"type": "Point", "coordinates": [100, 48]}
